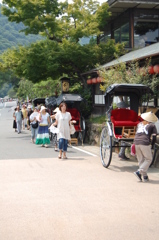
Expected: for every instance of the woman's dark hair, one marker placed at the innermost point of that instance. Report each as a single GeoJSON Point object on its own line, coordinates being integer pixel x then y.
{"type": "Point", "coordinates": [62, 104]}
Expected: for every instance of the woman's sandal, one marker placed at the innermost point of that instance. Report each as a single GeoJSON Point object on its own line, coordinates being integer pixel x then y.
{"type": "Point", "coordinates": [64, 157]}
{"type": "Point", "coordinates": [59, 157]}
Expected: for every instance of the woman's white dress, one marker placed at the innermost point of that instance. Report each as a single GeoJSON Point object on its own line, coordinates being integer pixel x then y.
{"type": "Point", "coordinates": [63, 125]}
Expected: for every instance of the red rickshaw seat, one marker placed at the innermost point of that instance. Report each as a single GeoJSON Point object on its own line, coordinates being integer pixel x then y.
{"type": "Point", "coordinates": [124, 117]}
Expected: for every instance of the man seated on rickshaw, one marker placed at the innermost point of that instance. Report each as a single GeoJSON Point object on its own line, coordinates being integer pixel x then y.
{"type": "Point", "coordinates": [122, 103]}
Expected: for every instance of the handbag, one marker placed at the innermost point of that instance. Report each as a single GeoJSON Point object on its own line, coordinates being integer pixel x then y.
{"type": "Point", "coordinates": [53, 129]}
{"type": "Point", "coordinates": [133, 152]}
{"type": "Point", "coordinates": [35, 125]}
{"type": "Point", "coordinates": [72, 129]}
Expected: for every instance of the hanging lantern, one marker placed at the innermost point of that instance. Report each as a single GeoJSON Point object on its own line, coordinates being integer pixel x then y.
{"type": "Point", "coordinates": [89, 81]}
{"type": "Point", "coordinates": [156, 69]}
{"type": "Point", "coordinates": [99, 79]}
{"type": "Point", "coordinates": [94, 80]}
{"type": "Point", "coordinates": [150, 70]}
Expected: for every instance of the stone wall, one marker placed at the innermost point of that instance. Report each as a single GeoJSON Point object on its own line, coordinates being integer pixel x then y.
{"type": "Point", "coordinates": [93, 132]}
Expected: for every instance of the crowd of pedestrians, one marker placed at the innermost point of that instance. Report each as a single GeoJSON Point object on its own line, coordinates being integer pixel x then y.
{"type": "Point", "coordinates": [38, 121]}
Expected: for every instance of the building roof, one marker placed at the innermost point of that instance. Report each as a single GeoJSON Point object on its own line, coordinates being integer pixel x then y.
{"type": "Point", "coordinates": [116, 7]}
{"type": "Point", "coordinates": [143, 53]}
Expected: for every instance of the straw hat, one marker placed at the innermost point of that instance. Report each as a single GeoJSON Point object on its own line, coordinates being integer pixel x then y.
{"type": "Point", "coordinates": [42, 108]}
{"type": "Point", "coordinates": [149, 117]}
{"type": "Point", "coordinates": [56, 110]}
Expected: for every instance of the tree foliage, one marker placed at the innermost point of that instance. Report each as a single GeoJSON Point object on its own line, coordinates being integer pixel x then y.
{"type": "Point", "coordinates": [58, 20]}
{"type": "Point", "coordinates": [129, 73]}
{"type": "Point", "coordinates": [4, 89]}
{"type": "Point", "coordinates": [64, 24]}
{"type": "Point", "coordinates": [11, 93]}
{"type": "Point", "coordinates": [48, 59]}
{"type": "Point", "coordinates": [42, 89]}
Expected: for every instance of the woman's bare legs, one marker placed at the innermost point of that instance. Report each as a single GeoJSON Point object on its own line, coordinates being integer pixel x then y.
{"type": "Point", "coordinates": [60, 153]}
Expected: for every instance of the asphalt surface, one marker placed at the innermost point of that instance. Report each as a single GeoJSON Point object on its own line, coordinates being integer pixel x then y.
{"type": "Point", "coordinates": [45, 198]}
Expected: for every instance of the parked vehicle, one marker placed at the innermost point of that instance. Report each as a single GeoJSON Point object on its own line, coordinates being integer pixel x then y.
{"type": "Point", "coordinates": [73, 102]}
{"type": "Point", "coordinates": [122, 121]}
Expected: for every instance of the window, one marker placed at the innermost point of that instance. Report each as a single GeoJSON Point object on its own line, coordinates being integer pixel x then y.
{"type": "Point", "coordinates": [146, 27]}
{"type": "Point", "coordinates": [98, 97]}
{"type": "Point", "coordinates": [125, 34]}
{"type": "Point", "coordinates": [122, 34]}
{"type": "Point", "coordinates": [146, 33]}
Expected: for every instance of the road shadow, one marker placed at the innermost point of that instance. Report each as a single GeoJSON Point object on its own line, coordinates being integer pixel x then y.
{"type": "Point", "coordinates": [132, 169]}
{"type": "Point", "coordinates": [72, 158]}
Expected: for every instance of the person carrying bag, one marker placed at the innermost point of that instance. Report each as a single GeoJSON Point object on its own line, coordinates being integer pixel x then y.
{"type": "Point", "coordinates": [34, 124]}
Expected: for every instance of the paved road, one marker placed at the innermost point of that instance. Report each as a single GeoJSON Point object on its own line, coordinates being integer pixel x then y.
{"type": "Point", "coordinates": [44, 198]}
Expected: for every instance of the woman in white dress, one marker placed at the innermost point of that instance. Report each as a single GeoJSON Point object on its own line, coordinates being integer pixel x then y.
{"type": "Point", "coordinates": [63, 121]}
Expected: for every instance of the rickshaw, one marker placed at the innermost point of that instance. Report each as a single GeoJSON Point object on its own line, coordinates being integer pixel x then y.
{"type": "Point", "coordinates": [47, 102]}
{"type": "Point", "coordinates": [50, 102]}
{"type": "Point", "coordinates": [38, 101]}
{"type": "Point", "coordinates": [121, 122]}
{"type": "Point", "coordinates": [73, 102]}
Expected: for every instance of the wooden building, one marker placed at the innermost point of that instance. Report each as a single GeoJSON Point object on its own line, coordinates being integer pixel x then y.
{"type": "Point", "coordinates": [136, 23]}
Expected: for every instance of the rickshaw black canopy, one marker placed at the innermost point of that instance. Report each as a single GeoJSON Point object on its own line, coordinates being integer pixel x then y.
{"type": "Point", "coordinates": [72, 100]}
{"type": "Point", "coordinates": [50, 101]}
{"type": "Point", "coordinates": [38, 101]}
{"type": "Point", "coordinates": [134, 91]}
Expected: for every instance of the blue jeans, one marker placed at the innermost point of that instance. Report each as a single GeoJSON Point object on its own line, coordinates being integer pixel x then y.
{"type": "Point", "coordinates": [19, 126]}
{"type": "Point", "coordinates": [34, 132]}
{"type": "Point", "coordinates": [63, 144]}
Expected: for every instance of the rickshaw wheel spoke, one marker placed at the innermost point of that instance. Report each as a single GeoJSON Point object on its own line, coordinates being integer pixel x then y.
{"type": "Point", "coordinates": [105, 147]}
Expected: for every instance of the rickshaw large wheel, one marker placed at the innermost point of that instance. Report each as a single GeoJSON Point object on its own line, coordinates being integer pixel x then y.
{"type": "Point", "coordinates": [105, 147]}
{"type": "Point", "coordinates": [154, 151]}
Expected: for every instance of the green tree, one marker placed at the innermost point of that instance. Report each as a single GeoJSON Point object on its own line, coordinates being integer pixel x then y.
{"type": "Point", "coordinates": [25, 89]}
{"type": "Point", "coordinates": [58, 20]}
{"type": "Point", "coordinates": [4, 89]}
{"type": "Point", "coordinates": [129, 73]}
{"type": "Point", "coordinates": [64, 24]}
{"type": "Point", "coordinates": [9, 78]}
{"type": "Point", "coordinates": [12, 93]}
{"type": "Point", "coordinates": [47, 88]}
{"type": "Point", "coordinates": [42, 89]}
{"type": "Point", "coordinates": [48, 59]}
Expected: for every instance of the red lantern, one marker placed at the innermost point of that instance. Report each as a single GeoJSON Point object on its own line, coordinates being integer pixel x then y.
{"type": "Point", "coordinates": [99, 79]}
{"type": "Point", "coordinates": [94, 80]}
{"type": "Point", "coordinates": [156, 69]}
{"type": "Point", "coordinates": [89, 81]}
{"type": "Point", "coordinates": [150, 70]}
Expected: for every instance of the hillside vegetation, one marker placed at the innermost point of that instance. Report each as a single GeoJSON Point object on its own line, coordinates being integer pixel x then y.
{"type": "Point", "coordinates": [10, 34]}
